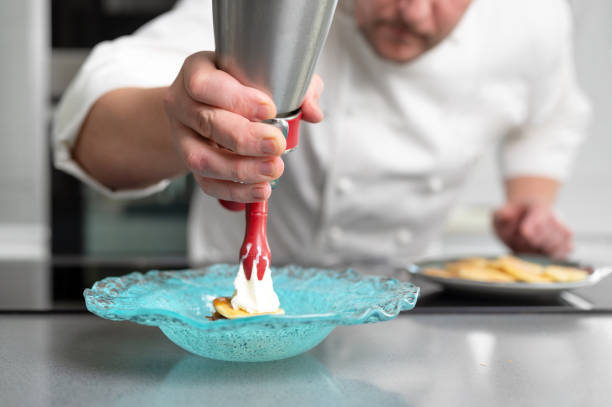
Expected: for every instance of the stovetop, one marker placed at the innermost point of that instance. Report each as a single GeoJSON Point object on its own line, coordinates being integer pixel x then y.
{"type": "Point", "coordinates": [434, 299]}
{"type": "Point", "coordinates": [70, 276]}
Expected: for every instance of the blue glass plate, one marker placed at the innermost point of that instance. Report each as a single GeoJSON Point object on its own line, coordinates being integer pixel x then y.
{"type": "Point", "coordinates": [315, 302]}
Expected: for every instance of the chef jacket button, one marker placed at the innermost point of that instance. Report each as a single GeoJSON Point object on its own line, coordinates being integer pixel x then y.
{"type": "Point", "coordinates": [403, 236]}
{"type": "Point", "coordinates": [435, 184]}
{"type": "Point", "coordinates": [344, 185]}
{"type": "Point", "coordinates": [335, 234]}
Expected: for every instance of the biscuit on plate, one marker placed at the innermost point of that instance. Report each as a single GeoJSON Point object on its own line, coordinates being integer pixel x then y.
{"type": "Point", "coordinates": [223, 305]}
{"type": "Point", "coordinates": [486, 274]}
{"type": "Point", "coordinates": [522, 270]}
{"type": "Point", "coordinates": [564, 274]}
{"type": "Point", "coordinates": [436, 272]}
{"type": "Point", "coordinates": [454, 266]}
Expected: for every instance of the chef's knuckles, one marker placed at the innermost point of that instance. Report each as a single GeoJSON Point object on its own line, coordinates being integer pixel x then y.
{"type": "Point", "coordinates": [234, 192]}
{"type": "Point", "coordinates": [532, 232]}
{"type": "Point", "coordinates": [212, 162]}
{"type": "Point", "coordinates": [548, 234]}
{"type": "Point", "coordinates": [238, 134]}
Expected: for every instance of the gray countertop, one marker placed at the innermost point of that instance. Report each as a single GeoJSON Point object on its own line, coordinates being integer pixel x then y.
{"type": "Point", "coordinates": [414, 360]}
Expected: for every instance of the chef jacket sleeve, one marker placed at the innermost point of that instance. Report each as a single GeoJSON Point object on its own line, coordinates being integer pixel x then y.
{"type": "Point", "coordinates": [150, 57]}
{"type": "Point", "coordinates": [558, 111]}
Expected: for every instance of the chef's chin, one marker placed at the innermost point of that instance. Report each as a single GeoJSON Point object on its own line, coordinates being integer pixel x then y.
{"type": "Point", "coordinates": [395, 45]}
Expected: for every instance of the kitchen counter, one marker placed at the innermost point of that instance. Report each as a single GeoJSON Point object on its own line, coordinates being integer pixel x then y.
{"type": "Point", "coordinates": [71, 359]}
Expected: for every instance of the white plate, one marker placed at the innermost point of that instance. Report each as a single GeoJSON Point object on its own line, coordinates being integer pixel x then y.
{"type": "Point", "coordinates": [596, 274]}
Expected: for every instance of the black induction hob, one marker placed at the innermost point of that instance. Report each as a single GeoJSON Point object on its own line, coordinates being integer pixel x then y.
{"type": "Point", "coordinates": [434, 299]}
{"type": "Point", "coordinates": [71, 275]}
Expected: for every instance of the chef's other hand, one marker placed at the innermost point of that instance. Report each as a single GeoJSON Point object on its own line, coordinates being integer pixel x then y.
{"type": "Point", "coordinates": [215, 126]}
{"type": "Point", "coordinates": [532, 228]}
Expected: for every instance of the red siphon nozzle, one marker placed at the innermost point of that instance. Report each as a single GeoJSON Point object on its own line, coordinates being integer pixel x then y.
{"type": "Point", "coordinates": [255, 249]}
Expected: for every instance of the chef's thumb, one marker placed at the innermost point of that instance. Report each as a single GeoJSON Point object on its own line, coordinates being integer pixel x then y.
{"type": "Point", "coordinates": [510, 212]}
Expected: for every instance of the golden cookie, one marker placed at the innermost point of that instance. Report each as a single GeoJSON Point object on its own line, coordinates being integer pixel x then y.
{"type": "Point", "coordinates": [476, 261]}
{"type": "Point", "coordinates": [565, 274]}
{"type": "Point", "coordinates": [522, 270]}
{"type": "Point", "coordinates": [434, 272]}
{"type": "Point", "coordinates": [454, 266]}
{"type": "Point", "coordinates": [486, 274]}
{"type": "Point", "coordinates": [224, 307]}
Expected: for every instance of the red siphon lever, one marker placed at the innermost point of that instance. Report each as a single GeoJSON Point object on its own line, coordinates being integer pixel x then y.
{"type": "Point", "coordinates": [255, 247]}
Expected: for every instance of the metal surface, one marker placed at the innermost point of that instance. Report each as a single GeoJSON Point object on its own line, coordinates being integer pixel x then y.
{"type": "Point", "coordinates": [415, 360]}
{"type": "Point", "coordinates": [272, 45]}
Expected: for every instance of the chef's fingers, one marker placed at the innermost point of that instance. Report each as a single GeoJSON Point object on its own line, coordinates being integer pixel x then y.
{"type": "Point", "coordinates": [542, 232]}
{"type": "Point", "coordinates": [508, 217]}
{"type": "Point", "coordinates": [521, 245]}
{"type": "Point", "coordinates": [553, 241]}
{"type": "Point", "coordinates": [506, 221]}
{"type": "Point", "coordinates": [206, 159]}
{"type": "Point", "coordinates": [564, 250]}
{"type": "Point", "coordinates": [568, 246]}
{"type": "Point", "coordinates": [554, 234]}
{"type": "Point", "coordinates": [209, 85]}
{"type": "Point", "coordinates": [311, 111]}
{"type": "Point", "coordinates": [561, 252]}
{"type": "Point", "coordinates": [533, 227]}
{"type": "Point", "coordinates": [505, 228]}
{"type": "Point", "coordinates": [231, 130]}
{"type": "Point", "coordinates": [234, 192]}
{"type": "Point", "coordinates": [560, 244]}
{"type": "Point", "coordinates": [509, 212]}
{"type": "Point", "coordinates": [505, 233]}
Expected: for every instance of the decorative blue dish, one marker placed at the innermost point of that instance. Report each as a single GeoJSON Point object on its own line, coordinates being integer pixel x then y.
{"type": "Point", "coordinates": [315, 302]}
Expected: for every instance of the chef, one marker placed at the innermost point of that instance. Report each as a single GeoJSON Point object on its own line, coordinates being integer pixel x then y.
{"type": "Point", "coordinates": [415, 92]}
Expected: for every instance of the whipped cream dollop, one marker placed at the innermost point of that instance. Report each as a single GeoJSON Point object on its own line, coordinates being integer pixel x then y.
{"type": "Point", "coordinates": [254, 295]}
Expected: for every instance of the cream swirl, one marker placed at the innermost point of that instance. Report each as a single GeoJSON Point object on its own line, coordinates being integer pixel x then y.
{"type": "Point", "coordinates": [254, 295]}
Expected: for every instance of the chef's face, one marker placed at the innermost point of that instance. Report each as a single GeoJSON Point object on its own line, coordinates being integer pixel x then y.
{"type": "Point", "coordinates": [401, 30]}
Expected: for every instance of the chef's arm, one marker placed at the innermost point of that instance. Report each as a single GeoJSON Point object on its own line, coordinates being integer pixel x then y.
{"type": "Point", "coordinates": [531, 190]}
{"type": "Point", "coordinates": [206, 122]}
{"type": "Point", "coordinates": [125, 141]}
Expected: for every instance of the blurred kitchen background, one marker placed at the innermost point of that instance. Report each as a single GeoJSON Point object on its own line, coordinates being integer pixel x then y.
{"type": "Point", "coordinates": [57, 236]}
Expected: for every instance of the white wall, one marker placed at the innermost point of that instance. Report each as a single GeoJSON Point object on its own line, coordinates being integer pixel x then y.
{"type": "Point", "coordinates": [24, 47]}
{"type": "Point", "coordinates": [586, 199]}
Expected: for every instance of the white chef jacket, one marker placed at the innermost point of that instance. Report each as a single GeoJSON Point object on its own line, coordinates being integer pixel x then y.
{"type": "Point", "coordinates": [372, 184]}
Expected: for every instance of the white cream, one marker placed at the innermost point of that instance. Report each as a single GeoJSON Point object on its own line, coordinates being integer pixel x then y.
{"type": "Point", "coordinates": [255, 295]}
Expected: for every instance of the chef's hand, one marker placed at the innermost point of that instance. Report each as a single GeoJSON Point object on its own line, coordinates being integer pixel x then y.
{"type": "Point", "coordinates": [215, 126]}
{"type": "Point", "coordinates": [532, 228]}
